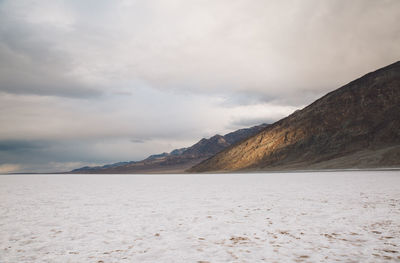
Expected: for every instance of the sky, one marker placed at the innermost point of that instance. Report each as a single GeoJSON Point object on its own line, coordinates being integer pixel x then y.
{"type": "Point", "coordinates": [97, 81]}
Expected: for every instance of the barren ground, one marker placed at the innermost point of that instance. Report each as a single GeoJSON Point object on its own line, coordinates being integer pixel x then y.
{"type": "Point", "coordinates": [275, 217]}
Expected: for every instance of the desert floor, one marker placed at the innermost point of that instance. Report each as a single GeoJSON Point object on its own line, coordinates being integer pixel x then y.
{"type": "Point", "coordinates": [272, 217]}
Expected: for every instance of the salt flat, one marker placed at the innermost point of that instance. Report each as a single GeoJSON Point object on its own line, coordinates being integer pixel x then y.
{"type": "Point", "coordinates": [275, 217]}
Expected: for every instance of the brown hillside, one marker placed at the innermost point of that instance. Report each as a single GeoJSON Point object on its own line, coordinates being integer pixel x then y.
{"type": "Point", "coordinates": [355, 126]}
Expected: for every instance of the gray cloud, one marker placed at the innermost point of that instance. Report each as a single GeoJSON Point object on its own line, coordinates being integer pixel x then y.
{"type": "Point", "coordinates": [64, 155]}
{"type": "Point", "coordinates": [32, 62]}
{"type": "Point", "coordinates": [249, 122]}
{"type": "Point", "coordinates": [138, 140]}
{"type": "Point", "coordinates": [18, 146]}
{"type": "Point", "coordinates": [275, 49]}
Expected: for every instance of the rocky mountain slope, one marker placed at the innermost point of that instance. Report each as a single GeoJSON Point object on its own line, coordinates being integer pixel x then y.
{"type": "Point", "coordinates": [355, 126]}
{"type": "Point", "coordinates": [179, 159]}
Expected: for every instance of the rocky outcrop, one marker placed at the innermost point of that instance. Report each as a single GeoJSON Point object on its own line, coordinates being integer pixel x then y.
{"type": "Point", "coordinates": [355, 126]}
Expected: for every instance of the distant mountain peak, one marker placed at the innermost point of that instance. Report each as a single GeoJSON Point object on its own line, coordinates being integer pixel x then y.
{"type": "Point", "coordinates": [179, 159]}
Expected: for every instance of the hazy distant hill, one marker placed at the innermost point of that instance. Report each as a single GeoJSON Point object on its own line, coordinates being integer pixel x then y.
{"type": "Point", "coordinates": [179, 159]}
{"type": "Point", "coordinates": [355, 126]}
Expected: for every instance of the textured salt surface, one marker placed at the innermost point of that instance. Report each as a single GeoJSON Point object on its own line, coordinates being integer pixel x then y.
{"type": "Point", "coordinates": [279, 217]}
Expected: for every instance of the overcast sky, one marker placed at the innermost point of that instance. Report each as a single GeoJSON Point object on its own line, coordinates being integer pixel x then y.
{"type": "Point", "coordinates": [98, 81]}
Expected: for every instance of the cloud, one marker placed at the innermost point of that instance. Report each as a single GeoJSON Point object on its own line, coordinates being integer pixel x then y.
{"type": "Point", "coordinates": [249, 122]}
{"type": "Point", "coordinates": [249, 115]}
{"type": "Point", "coordinates": [33, 61]}
{"type": "Point", "coordinates": [9, 168]}
{"type": "Point", "coordinates": [138, 140]}
{"type": "Point", "coordinates": [17, 146]}
{"type": "Point", "coordinates": [275, 49]}
{"type": "Point", "coordinates": [147, 114]}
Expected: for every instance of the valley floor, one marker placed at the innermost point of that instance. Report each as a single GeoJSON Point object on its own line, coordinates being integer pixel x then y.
{"type": "Point", "coordinates": [348, 216]}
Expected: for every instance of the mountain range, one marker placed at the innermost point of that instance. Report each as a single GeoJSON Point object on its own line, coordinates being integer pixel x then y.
{"type": "Point", "coordinates": [355, 126]}
{"type": "Point", "coordinates": [178, 160]}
